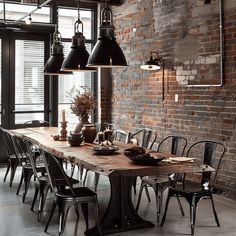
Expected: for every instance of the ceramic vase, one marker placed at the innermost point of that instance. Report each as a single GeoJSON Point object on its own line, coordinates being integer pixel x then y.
{"type": "Point", "coordinates": [82, 121]}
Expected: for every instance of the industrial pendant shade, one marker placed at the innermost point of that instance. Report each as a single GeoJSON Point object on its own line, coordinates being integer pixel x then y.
{"type": "Point", "coordinates": [53, 65]}
{"type": "Point", "coordinates": [106, 53]}
{"type": "Point", "coordinates": [78, 56]}
{"type": "Point", "coordinates": [152, 63]}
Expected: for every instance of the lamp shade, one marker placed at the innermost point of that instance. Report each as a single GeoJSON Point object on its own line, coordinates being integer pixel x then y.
{"type": "Point", "coordinates": [78, 56]}
{"type": "Point", "coordinates": [151, 64]}
{"type": "Point", "coordinates": [53, 65]}
{"type": "Point", "coordinates": [106, 53]}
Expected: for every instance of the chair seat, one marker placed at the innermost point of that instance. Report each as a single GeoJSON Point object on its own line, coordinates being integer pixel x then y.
{"type": "Point", "coordinates": [152, 180]}
{"type": "Point", "coordinates": [79, 192]}
{"type": "Point", "coordinates": [192, 189]}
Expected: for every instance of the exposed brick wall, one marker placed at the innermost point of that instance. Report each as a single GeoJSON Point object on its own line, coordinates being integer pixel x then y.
{"type": "Point", "coordinates": [201, 113]}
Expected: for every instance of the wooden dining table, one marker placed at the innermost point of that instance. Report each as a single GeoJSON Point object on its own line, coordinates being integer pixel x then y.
{"type": "Point", "coordinates": [120, 214]}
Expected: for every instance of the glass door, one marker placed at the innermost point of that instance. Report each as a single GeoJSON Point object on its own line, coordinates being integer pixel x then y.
{"type": "Point", "coordinates": [28, 90]}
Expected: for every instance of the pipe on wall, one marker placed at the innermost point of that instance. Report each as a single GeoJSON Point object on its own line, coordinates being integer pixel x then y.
{"type": "Point", "coordinates": [221, 54]}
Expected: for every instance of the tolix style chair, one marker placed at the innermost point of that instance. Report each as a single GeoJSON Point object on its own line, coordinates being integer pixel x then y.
{"type": "Point", "coordinates": [65, 198]}
{"type": "Point", "coordinates": [175, 145]}
{"type": "Point", "coordinates": [211, 154]}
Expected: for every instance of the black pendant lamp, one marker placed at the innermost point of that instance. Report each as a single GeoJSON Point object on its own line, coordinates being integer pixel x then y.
{"type": "Point", "coordinates": [53, 65]}
{"type": "Point", "coordinates": [78, 56]}
{"type": "Point", "coordinates": [152, 63]}
{"type": "Point", "coordinates": [106, 52]}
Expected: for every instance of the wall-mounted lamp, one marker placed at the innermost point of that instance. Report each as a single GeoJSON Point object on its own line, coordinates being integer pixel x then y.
{"type": "Point", "coordinates": [28, 21]}
{"type": "Point", "coordinates": [78, 56]}
{"type": "Point", "coordinates": [106, 53]}
{"type": "Point", "coordinates": [155, 63]}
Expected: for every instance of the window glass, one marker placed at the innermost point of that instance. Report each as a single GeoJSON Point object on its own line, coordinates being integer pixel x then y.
{"type": "Point", "coordinates": [29, 80]}
{"type": "Point", "coordinates": [16, 11]}
{"type": "Point", "coordinates": [80, 81]}
{"type": "Point", "coordinates": [67, 18]}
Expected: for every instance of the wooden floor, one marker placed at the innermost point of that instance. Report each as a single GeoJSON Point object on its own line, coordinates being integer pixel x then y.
{"type": "Point", "coordinates": [17, 219]}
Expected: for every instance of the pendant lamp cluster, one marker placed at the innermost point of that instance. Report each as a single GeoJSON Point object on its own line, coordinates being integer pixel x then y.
{"type": "Point", "coordinates": [106, 52]}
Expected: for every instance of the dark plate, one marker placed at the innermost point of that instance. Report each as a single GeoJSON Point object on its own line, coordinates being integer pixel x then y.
{"type": "Point", "coordinates": [105, 150]}
{"type": "Point", "coordinates": [146, 161]}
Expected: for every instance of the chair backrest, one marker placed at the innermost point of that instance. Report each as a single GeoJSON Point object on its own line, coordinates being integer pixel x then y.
{"type": "Point", "coordinates": [7, 142]}
{"type": "Point", "coordinates": [121, 136]}
{"type": "Point", "coordinates": [173, 144]}
{"type": "Point", "coordinates": [20, 149]}
{"type": "Point", "coordinates": [36, 123]}
{"type": "Point", "coordinates": [145, 138]}
{"type": "Point", "coordinates": [56, 172]}
{"type": "Point", "coordinates": [210, 153]}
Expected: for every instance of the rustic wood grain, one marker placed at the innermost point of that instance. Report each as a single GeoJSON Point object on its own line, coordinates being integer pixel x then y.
{"type": "Point", "coordinates": [109, 165]}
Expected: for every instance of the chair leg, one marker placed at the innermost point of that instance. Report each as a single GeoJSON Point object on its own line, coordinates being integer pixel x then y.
{"type": "Point", "coordinates": [14, 165]}
{"type": "Point", "coordinates": [35, 196]}
{"type": "Point", "coordinates": [85, 177]}
{"type": "Point", "coordinates": [159, 199]}
{"type": "Point", "coordinates": [7, 171]}
{"type": "Point", "coordinates": [63, 212]}
{"type": "Point", "coordinates": [84, 207]}
{"type": "Point", "coordinates": [21, 180]}
{"type": "Point", "coordinates": [97, 176]}
{"type": "Point", "coordinates": [140, 195]}
{"type": "Point", "coordinates": [81, 172]}
{"type": "Point", "coordinates": [214, 211]}
{"type": "Point", "coordinates": [180, 205]}
{"type": "Point", "coordinates": [27, 177]}
{"type": "Point", "coordinates": [97, 217]}
{"type": "Point", "coordinates": [147, 193]}
{"type": "Point", "coordinates": [166, 207]}
{"type": "Point", "coordinates": [43, 190]}
{"type": "Point", "coordinates": [54, 204]}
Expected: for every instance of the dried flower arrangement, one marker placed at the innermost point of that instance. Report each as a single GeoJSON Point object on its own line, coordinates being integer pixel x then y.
{"type": "Point", "coordinates": [83, 104]}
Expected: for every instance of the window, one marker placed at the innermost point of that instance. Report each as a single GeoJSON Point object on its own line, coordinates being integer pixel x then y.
{"type": "Point", "coordinates": [29, 80]}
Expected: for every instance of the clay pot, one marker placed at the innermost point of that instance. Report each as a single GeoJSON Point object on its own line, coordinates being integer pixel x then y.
{"type": "Point", "coordinates": [89, 132]}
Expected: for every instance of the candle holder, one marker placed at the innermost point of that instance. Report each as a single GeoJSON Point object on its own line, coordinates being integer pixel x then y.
{"type": "Point", "coordinates": [63, 136]}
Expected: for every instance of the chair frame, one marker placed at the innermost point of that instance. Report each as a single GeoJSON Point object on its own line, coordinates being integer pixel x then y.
{"type": "Point", "coordinates": [160, 184]}
{"type": "Point", "coordinates": [206, 191]}
{"type": "Point", "coordinates": [65, 200]}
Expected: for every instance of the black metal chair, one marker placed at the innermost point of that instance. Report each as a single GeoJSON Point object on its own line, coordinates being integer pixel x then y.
{"type": "Point", "coordinates": [42, 181]}
{"type": "Point", "coordinates": [144, 138]}
{"type": "Point", "coordinates": [12, 159]}
{"type": "Point", "coordinates": [174, 145]}
{"type": "Point", "coordinates": [211, 154]}
{"type": "Point", "coordinates": [20, 151]}
{"type": "Point", "coordinates": [65, 198]}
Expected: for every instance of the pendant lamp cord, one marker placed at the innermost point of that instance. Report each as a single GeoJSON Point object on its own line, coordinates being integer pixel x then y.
{"type": "Point", "coordinates": [56, 34]}
{"type": "Point", "coordinates": [78, 22]}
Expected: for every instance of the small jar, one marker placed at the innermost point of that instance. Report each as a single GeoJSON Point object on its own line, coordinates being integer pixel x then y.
{"type": "Point", "coordinates": [89, 132]}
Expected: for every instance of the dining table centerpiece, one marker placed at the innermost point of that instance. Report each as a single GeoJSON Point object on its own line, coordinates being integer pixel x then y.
{"type": "Point", "coordinates": [82, 106]}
